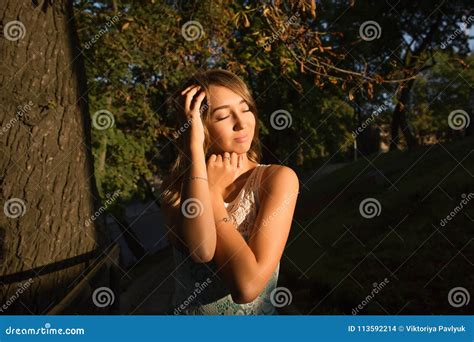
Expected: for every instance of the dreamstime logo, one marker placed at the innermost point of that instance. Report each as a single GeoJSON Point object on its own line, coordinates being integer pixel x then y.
{"type": "Point", "coordinates": [199, 288]}
{"type": "Point", "coordinates": [188, 123]}
{"type": "Point", "coordinates": [458, 296]}
{"type": "Point", "coordinates": [280, 297]}
{"type": "Point", "coordinates": [192, 30]}
{"type": "Point", "coordinates": [368, 121]}
{"type": "Point", "coordinates": [192, 208]}
{"type": "Point", "coordinates": [103, 119]}
{"type": "Point", "coordinates": [458, 119]}
{"type": "Point", "coordinates": [103, 296]}
{"type": "Point", "coordinates": [457, 209]}
{"type": "Point", "coordinates": [107, 203]}
{"type": "Point", "coordinates": [14, 207]}
{"type": "Point", "coordinates": [21, 288]}
{"type": "Point", "coordinates": [294, 19]}
{"type": "Point", "coordinates": [21, 110]}
{"type": "Point", "coordinates": [280, 119]}
{"type": "Point", "coordinates": [14, 30]}
{"type": "Point", "coordinates": [464, 25]}
{"type": "Point", "coordinates": [370, 296]}
{"type": "Point", "coordinates": [103, 30]}
{"type": "Point", "coordinates": [370, 30]}
{"type": "Point", "coordinates": [285, 203]}
{"type": "Point", "coordinates": [369, 208]}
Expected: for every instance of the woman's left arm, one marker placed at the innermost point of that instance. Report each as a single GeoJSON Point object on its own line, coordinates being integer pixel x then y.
{"type": "Point", "coordinates": [246, 268]}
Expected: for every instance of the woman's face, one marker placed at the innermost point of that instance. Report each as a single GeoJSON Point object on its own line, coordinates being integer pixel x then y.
{"type": "Point", "coordinates": [230, 119]}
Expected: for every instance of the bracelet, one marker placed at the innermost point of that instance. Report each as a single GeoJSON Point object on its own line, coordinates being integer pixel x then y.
{"type": "Point", "coordinates": [195, 177]}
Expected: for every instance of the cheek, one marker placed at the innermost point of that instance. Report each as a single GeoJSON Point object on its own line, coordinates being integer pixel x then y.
{"type": "Point", "coordinates": [219, 132]}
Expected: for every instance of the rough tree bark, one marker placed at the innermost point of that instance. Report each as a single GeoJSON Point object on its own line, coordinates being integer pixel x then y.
{"type": "Point", "coordinates": [46, 165]}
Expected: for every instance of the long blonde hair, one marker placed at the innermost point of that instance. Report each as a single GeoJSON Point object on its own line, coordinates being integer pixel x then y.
{"type": "Point", "coordinates": [170, 190]}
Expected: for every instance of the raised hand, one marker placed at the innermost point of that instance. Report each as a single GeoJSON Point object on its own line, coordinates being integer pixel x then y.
{"type": "Point", "coordinates": [192, 100]}
{"type": "Point", "coordinates": [222, 170]}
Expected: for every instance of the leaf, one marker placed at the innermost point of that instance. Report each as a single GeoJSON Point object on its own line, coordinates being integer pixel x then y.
{"type": "Point", "coordinates": [246, 20]}
{"type": "Point", "coordinates": [125, 25]}
{"type": "Point", "coordinates": [313, 8]}
{"type": "Point", "coordinates": [351, 94]}
{"type": "Point", "coordinates": [370, 90]}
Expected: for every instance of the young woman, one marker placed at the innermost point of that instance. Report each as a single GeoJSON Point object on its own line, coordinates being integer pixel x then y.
{"type": "Point", "coordinates": [228, 216]}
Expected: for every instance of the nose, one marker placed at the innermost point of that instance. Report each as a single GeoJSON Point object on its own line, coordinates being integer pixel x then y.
{"type": "Point", "coordinates": [240, 122]}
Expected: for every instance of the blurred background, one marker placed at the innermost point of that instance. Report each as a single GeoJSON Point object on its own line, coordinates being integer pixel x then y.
{"type": "Point", "coordinates": [370, 102]}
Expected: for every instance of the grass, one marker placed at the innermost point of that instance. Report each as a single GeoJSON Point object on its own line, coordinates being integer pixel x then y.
{"type": "Point", "coordinates": [406, 244]}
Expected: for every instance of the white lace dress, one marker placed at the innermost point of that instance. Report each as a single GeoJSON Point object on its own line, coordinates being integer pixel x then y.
{"type": "Point", "coordinates": [198, 288]}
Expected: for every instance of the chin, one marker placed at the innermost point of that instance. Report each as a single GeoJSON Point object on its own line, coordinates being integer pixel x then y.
{"type": "Point", "coordinates": [241, 148]}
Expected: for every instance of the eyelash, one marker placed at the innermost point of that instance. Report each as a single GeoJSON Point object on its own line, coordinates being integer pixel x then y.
{"type": "Point", "coordinates": [245, 111]}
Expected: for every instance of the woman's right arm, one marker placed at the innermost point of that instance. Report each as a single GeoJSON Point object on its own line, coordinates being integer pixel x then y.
{"type": "Point", "coordinates": [194, 219]}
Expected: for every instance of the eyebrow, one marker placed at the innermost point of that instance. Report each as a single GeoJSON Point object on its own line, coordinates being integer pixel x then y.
{"type": "Point", "coordinates": [225, 106]}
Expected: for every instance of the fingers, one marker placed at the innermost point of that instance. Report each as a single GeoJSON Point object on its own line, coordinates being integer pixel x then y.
{"type": "Point", "coordinates": [188, 88]}
{"type": "Point", "coordinates": [226, 158]}
{"type": "Point", "coordinates": [189, 97]}
{"type": "Point", "coordinates": [212, 159]}
{"type": "Point", "coordinates": [196, 104]}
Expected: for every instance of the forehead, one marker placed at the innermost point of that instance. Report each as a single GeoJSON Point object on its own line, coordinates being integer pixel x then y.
{"type": "Point", "coordinates": [220, 96]}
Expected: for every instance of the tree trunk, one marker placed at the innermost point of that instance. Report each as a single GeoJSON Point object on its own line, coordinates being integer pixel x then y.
{"type": "Point", "coordinates": [48, 188]}
{"type": "Point", "coordinates": [399, 119]}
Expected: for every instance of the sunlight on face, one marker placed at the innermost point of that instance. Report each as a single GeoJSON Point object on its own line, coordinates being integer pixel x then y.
{"type": "Point", "coordinates": [230, 119]}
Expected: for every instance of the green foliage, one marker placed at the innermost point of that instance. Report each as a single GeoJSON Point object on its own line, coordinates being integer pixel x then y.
{"type": "Point", "coordinates": [136, 57]}
{"type": "Point", "coordinates": [442, 89]}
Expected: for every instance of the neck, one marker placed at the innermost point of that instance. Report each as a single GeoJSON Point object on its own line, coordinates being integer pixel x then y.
{"type": "Point", "coordinates": [246, 163]}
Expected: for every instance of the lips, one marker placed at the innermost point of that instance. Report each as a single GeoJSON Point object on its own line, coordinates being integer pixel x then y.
{"type": "Point", "coordinates": [241, 138]}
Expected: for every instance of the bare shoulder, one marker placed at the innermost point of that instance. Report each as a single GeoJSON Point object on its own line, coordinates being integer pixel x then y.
{"type": "Point", "coordinates": [281, 177]}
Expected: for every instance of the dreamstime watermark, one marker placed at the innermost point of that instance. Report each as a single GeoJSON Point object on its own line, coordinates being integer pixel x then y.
{"type": "Point", "coordinates": [294, 19]}
{"type": "Point", "coordinates": [279, 209]}
{"type": "Point", "coordinates": [458, 296]}
{"type": "Point", "coordinates": [21, 110]}
{"type": "Point", "coordinates": [368, 121]}
{"type": "Point", "coordinates": [100, 211]}
{"type": "Point", "coordinates": [370, 30]}
{"type": "Point", "coordinates": [458, 119]}
{"type": "Point", "coordinates": [103, 296]}
{"type": "Point", "coordinates": [465, 200]}
{"type": "Point", "coordinates": [280, 119]}
{"type": "Point", "coordinates": [280, 297]}
{"type": "Point", "coordinates": [14, 208]}
{"type": "Point", "coordinates": [22, 288]}
{"type": "Point", "coordinates": [102, 120]}
{"type": "Point", "coordinates": [192, 30]}
{"type": "Point", "coordinates": [197, 291]}
{"type": "Point", "coordinates": [192, 208]}
{"type": "Point", "coordinates": [370, 207]}
{"type": "Point", "coordinates": [46, 330]}
{"type": "Point", "coordinates": [457, 32]}
{"type": "Point", "coordinates": [376, 289]}
{"type": "Point", "coordinates": [14, 30]}
{"type": "Point", "coordinates": [188, 123]}
{"type": "Point", "coordinates": [103, 30]}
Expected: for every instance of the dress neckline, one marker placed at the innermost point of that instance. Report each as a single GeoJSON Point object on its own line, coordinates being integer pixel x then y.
{"type": "Point", "coordinates": [243, 188]}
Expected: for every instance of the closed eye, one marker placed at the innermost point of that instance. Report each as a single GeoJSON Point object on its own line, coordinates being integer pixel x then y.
{"type": "Point", "coordinates": [220, 119]}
